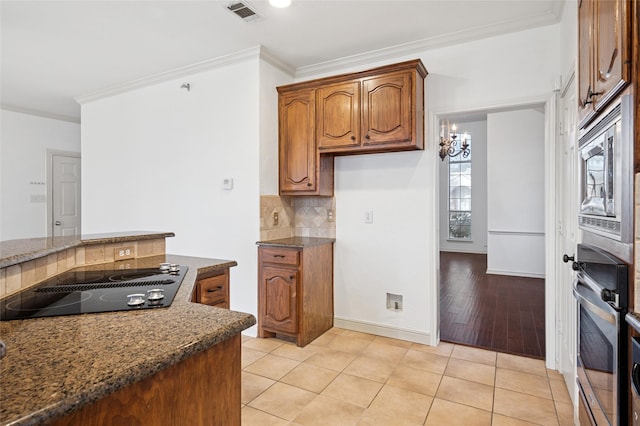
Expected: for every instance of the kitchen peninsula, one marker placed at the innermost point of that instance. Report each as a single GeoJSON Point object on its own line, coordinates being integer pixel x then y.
{"type": "Point", "coordinates": [164, 365]}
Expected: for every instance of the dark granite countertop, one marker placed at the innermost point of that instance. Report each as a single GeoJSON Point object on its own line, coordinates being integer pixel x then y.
{"type": "Point", "coordinates": [13, 252]}
{"type": "Point", "coordinates": [56, 365]}
{"type": "Point", "coordinates": [297, 242]}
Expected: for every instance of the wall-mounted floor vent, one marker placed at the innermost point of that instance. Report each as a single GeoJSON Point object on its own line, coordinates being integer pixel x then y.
{"type": "Point", "coordinates": [244, 11]}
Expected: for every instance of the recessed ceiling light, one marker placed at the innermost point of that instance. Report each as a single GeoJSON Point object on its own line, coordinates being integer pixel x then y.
{"type": "Point", "coordinates": [280, 3]}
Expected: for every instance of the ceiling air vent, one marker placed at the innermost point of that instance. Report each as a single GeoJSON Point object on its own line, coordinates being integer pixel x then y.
{"type": "Point", "coordinates": [244, 11]}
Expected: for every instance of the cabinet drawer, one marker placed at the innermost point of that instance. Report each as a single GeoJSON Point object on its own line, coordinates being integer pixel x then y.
{"type": "Point", "coordinates": [213, 290]}
{"type": "Point", "coordinates": [280, 255]}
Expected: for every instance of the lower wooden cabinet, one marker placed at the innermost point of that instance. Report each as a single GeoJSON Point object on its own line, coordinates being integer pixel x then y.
{"type": "Point", "coordinates": [295, 291]}
{"type": "Point", "coordinates": [213, 289]}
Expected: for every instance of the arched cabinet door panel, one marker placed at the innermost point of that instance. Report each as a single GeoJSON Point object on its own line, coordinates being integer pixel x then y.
{"type": "Point", "coordinates": [280, 299]}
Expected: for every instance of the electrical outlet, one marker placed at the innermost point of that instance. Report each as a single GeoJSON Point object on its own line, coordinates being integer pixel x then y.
{"type": "Point", "coordinates": [330, 215]}
{"type": "Point", "coordinates": [122, 253]}
{"type": "Point", "coordinates": [276, 218]}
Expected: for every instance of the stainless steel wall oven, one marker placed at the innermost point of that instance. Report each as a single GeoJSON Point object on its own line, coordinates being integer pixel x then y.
{"type": "Point", "coordinates": [601, 291]}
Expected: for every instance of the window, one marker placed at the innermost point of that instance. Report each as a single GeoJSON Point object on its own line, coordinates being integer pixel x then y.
{"type": "Point", "coordinates": [460, 194]}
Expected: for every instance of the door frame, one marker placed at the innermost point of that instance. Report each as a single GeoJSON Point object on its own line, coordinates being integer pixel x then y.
{"type": "Point", "coordinates": [50, 154]}
{"type": "Point", "coordinates": [550, 122]}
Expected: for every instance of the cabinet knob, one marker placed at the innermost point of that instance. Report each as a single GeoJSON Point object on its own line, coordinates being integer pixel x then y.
{"type": "Point", "coordinates": [367, 136]}
{"type": "Point", "coordinates": [309, 184]}
{"type": "Point", "coordinates": [353, 138]}
{"type": "Point", "coordinates": [291, 277]}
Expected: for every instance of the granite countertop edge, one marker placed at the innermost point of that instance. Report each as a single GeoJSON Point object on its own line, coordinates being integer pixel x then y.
{"type": "Point", "coordinates": [296, 242]}
{"type": "Point", "coordinates": [23, 250]}
{"type": "Point", "coordinates": [146, 369]}
{"type": "Point", "coordinates": [190, 328]}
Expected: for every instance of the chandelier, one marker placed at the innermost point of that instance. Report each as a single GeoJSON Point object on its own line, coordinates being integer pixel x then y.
{"type": "Point", "coordinates": [449, 142]}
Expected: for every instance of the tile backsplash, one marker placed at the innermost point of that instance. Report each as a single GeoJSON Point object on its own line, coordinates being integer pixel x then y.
{"type": "Point", "coordinates": [297, 217]}
{"type": "Point", "coordinates": [17, 277]}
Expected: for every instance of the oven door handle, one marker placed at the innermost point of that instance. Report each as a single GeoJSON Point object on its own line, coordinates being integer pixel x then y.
{"type": "Point", "coordinates": [594, 308]}
{"type": "Point", "coordinates": [588, 282]}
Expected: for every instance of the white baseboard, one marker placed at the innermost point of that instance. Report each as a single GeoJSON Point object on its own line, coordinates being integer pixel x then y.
{"type": "Point", "coordinates": [383, 330]}
{"type": "Point", "coordinates": [515, 274]}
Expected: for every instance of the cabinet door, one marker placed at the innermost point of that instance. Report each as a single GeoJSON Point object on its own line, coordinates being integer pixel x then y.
{"type": "Point", "coordinates": [297, 148]}
{"type": "Point", "coordinates": [338, 115]}
{"type": "Point", "coordinates": [585, 57]}
{"type": "Point", "coordinates": [611, 49]}
{"type": "Point", "coordinates": [386, 109]}
{"type": "Point", "coordinates": [279, 299]}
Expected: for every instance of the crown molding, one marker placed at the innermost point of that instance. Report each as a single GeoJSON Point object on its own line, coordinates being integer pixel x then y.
{"type": "Point", "coordinates": [240, 56]}
{"type": "Point", "coordinates": [269, 57]}
{"type": "Point", "coordinates": [38, 113]}
{"type": "Point", "coordinates": [389, 53]}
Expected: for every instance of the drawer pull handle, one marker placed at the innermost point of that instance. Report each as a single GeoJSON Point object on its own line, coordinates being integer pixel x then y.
{"type": "Point", "coordinates": [281, 256]}
{"type": "Point", "coordinates": [211, 290]}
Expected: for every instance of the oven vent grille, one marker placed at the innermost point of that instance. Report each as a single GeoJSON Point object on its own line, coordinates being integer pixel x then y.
{"type": "Point", "coordinates": [93, 286]}
{"type": "Point", "coordinates": [244, 11]}
{"type": "Point", "coordinates": [599, 223]}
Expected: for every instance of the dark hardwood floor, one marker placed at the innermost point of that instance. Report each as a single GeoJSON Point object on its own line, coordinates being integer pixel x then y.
{"type": "Point", "coordinates": [497, 312]}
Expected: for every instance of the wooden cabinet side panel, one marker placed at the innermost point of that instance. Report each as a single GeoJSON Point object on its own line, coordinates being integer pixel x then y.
{"type": "Point", "coordinates": [203, 389]}
{"type": "Point", "coordinates": [317, 292]}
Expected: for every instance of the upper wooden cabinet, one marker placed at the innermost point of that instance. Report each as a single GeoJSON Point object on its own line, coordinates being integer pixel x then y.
{"type": "Point", "coordinates": [338, 116]}
{"type": "Point", "coordinates": [299, 160]}
{"type": "Point", "coordinates": [604, 54]}
{"type": "Point", "coordinates": [378, 110]}
{"type": "Point", "coordinates": [379, 113]}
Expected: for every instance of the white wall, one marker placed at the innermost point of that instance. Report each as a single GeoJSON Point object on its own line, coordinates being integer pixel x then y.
{"type": "Point", "coordinates": [516, 193]}
{"type": "Point", "coordinates": [164, 140]}
{"type": "Point", "coordinates": [24, 141]}
{"type": "Point", "coordinates": [398, 252]}
{"type": "Point", "coordinates": [569, 39]}
{"type": "Point", "coordinates": [478, 242]}
{"type": "Point", "coordinates": [270, 78]}
{"type": "Point", "coordinates": [155, 158]}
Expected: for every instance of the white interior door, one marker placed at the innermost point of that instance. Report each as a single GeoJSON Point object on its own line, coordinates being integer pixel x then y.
{"type": "Point", "coordinates": [65, 195]}
{"type": "Point", "coordinates": [568, 234]}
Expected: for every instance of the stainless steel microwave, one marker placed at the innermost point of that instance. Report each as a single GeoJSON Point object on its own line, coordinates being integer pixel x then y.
{"type": "Point", "coordinates": [606, 173]}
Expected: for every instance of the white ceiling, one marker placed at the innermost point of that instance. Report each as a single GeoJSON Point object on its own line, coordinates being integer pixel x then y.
{"type": "Point", "coordinates": [54, 51]}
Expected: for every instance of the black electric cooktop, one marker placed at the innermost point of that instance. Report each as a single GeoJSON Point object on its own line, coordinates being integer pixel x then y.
{"type": "Point", "coordinates": [90, 290]}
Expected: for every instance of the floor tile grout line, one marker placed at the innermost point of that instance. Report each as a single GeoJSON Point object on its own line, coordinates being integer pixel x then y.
{"type": "Point", "coordinates": [363, 353]}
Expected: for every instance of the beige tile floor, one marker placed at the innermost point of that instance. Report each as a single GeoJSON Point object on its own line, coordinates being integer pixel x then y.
{"type": "Point", "coordinates": [351, 378]}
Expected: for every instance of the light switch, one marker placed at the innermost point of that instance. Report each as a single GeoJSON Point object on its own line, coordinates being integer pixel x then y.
{"type": "Point", "coordinates": [227, 183]}
{"type": "Point", "coordinates": [368, 216]}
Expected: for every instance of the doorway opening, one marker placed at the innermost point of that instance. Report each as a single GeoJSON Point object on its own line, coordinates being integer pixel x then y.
{"type": "Point", "coordinates": [492, 281]}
